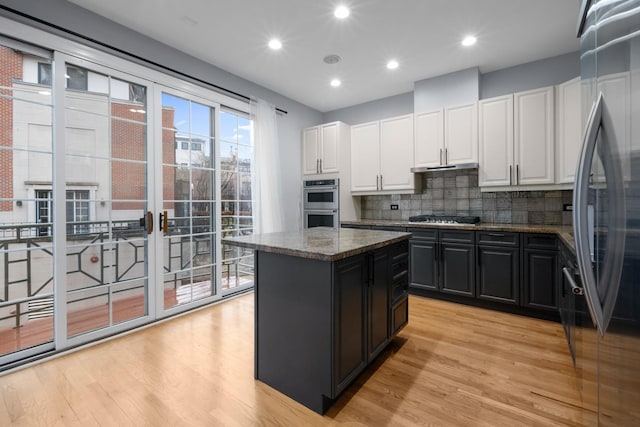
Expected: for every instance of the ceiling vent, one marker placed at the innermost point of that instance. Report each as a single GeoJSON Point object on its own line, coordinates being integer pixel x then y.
{"type": "Point", "coordinates": [332, 59]}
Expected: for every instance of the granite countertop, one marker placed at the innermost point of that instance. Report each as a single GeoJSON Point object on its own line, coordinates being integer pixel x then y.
{"type": "Point", "coordinates": [325, 244]}
{"type": "Point", "coordinates": [564, 232]}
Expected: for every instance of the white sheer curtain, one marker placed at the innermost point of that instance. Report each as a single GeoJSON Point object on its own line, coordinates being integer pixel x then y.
{"type": "Point", "coordinates": [268, 215]}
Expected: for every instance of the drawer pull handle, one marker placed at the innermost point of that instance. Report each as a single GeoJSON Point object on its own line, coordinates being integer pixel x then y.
{"type": "Point", "coordinates": [496, 234]}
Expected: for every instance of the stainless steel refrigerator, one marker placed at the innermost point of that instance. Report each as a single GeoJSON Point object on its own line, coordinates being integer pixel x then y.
{"type": "Point", "coordinates": [607, 212]}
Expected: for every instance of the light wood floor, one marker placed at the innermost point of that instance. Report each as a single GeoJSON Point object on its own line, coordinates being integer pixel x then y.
{"type": "Point", "coordinates": [452, 365]}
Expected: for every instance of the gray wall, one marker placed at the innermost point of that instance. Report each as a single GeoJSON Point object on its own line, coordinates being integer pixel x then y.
{"type": "Point", "coordinates": [69, 16]}
{"type": "Point", "coordinates": [392, 106]}
{"type": "Point", "coordinates": [532, 75]}
{"type": "Point", "coordinates": [460, 87]}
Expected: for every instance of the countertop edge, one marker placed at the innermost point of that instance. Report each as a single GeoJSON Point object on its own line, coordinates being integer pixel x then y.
{"type": "Point", "coordinates": [317, 255]}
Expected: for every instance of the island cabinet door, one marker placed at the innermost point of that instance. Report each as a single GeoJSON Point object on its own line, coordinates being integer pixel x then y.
{"type": "Point", "coordinates": [379, 290]}
{"type": "Point", "coordinates": [350, 316]}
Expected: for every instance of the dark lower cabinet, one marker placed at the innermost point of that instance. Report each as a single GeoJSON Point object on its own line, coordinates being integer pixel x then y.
{"type": "Point", "coordinates": [424, 264]}
{"type": "Point", "coordinates": [379, 302]}
{"type": "Point", "coordinates": [498, 274]}
{"type": "Point", "coordinates": [458, 269]}
{"type": "Point", "coordinates": [540, 279]}
{"type": "Point", "coordinates": [350, 322]}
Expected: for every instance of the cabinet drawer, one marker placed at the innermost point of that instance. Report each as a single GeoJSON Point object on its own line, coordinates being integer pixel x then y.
{"type": "Point", "coordinates": [540, 241]}
{"type": "Point", "coordinates": [399, 289]}
{"type": "Point", "coordinates": [457, 236]}
{"type": "Point", "coordinates": [399, 315]}
{"type": "Point", "coordinates": [423, 233]}
{"type": "Point", "coordinates": [498, 238]}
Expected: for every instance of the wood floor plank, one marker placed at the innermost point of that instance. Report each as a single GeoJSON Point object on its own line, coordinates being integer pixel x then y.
{"type": "Point", "coordinates": [453, 365]}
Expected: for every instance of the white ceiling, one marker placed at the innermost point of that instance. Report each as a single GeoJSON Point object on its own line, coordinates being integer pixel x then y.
{"type": "Point", "coordinates": [423, 35]}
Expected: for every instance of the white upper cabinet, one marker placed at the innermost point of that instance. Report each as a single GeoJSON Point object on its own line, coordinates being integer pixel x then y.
{"type": "Point", "coordinates": [310, 150]}
{"type": "Point", "coordinates": [382, 156]}
{"type": "Point", "coordinates": [429, 138]}
{"type": "Point", "coordinates": [396, 153]}
{"type": "Point", "coordinates": [495, 141]}
{"type": "Point", "coordinates": [517, 139]}
{"type": "Point", "coordinates": [461, 134]}
{"type": "Point", "coordinates": [320, 148]}
{"type": "Point", "coordinates": [534, 136]}
{"type": "Point", "coordinates": [365, 157]}
{"type": "Point", "coordinates": [569, 129]}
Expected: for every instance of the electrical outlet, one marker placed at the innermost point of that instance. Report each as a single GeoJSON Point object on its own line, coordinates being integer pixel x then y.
{"type": "Point", "coordinates": [394, 207]}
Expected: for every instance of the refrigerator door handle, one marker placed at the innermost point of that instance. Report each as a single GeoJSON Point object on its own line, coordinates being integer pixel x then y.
{"type": "Point", "coordinates": [601, 302]}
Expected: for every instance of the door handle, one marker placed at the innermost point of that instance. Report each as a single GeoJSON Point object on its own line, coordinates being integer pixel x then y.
{"type": "Point", "coordinates": [164, 222]}
{"type": "Point", "coordinates": [600, 300]}
{"type": "Point", "coordinates": [149, 222]}
{"type": "Point", "coordinates": [575, 289]}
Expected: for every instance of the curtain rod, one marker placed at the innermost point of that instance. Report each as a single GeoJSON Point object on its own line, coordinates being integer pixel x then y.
{"type": "Point", "coordinates": [124, 52]}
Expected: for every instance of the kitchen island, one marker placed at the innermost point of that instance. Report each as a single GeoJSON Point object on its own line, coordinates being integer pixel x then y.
{"type": "Point", "coordinates": [327, 302]}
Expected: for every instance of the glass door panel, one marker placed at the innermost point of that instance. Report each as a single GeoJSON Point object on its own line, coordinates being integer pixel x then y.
{"type": "Point", "coordinates": [236, 177]}
{"type": "Point", "coordinates": [189, 195]}
{"type": "Point", "coordinates": [107, 201]}
{"type": "Point", "coordinates": [26, 178]}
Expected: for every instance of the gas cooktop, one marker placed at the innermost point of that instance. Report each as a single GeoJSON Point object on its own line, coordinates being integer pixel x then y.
{"type": "Point", "coordinates": [445, 220]}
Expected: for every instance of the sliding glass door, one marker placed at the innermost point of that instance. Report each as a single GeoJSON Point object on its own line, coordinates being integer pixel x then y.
{"type": "Point", "coordinates": [108, 199]}
{"type": "Point", "coordinates": [113, 191]}
{"type": "Point", "coordinates": [189, 217]}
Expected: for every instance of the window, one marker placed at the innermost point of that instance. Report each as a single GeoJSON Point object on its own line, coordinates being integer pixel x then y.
{"type": "Point", "coordinates": [43, 212]}
{"type": "Point", "coordinates": [77, 211]}
{"type": "Point", "coordinates": [185, 145]}
{"type": "Point", "coordinates": [45, 76]}
{"type": "Point", "coordinates": [137, 93]}
{"type": "Point", "coordinates": [196, 146]}
{"type": "Point", "coordinates": [76, 78]}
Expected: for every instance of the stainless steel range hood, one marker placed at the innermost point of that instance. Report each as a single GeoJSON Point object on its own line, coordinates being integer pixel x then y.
{"type": "Point", "coordinates": [445, 168]}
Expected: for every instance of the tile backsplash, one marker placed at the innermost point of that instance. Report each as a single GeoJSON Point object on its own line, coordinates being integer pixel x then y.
{"type": "Point", "coordinates": [457, 193]}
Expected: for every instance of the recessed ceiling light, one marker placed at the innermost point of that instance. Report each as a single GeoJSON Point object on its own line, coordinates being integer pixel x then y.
{"type": "Point", "coordinates": [275, 44]}
{"type": "Point", "coordinates": [341, 12]}
{"type": "Point", "coordinates": [469, 41]}
{"type": "Point", "coordinates": [392, 65]}
{"type": "Point", "coordinates": [335, 82]}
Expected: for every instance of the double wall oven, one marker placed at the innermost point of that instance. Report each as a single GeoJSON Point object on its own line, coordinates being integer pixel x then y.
{"type": "Point", "coordinates": [321, 203]}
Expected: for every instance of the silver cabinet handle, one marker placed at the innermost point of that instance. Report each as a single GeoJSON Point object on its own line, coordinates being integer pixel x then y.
{"type": "Point", "coordinates": [320, 165]}
{"type": "Point", "coordinates": [517, 174]}
{"type": "Point", "coordinates": [510, 174]}
{"type": "Point", "coordinates": [446, 156]}
{"type": "Point", "coordinates": [377, 182]}
{"type": "Point", "coordinates": [381, 182]}
{"type": "Point", "coordinates": [575, 289]}
{"type": "Point", "coordinates": [600, 293]}
{"type": "Point", "coordinates": [317, 165]}
{"type": "Point", "coordinates": [441, 157]}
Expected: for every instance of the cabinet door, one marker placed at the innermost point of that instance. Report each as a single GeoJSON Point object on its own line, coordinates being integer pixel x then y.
{"type": "Point", "coordinates": [458, 269]}
{"type": "Point", "coordinates": [461, 134]}
{"type": "Point", "coordinates": [350, 331]}
{"type": "Point", "coordinates": [365, 156]}
{"type": "Point", "coordinates": [498, 274]}
{"type": "Point", "coordinates": [540, 285]}
{"type": "Point", "coordinates": [310, 146]}
{"type": "Point", "coordinates": [495, 164]}
{"type": "Point", "coordinates": [429, 138]}
{"type": "Point", "coordinates": [424, 264]}
{"type": "Point", "coordinates": [379, 302]}
{"type": "Point", "coordinates": [396, 153]}
{"type": "Point", "coordinates": [568, 129]}
{"type": "Point", "coordinates": [534, 137]}
{"type": "Point", "coordinates": [329, 148]}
